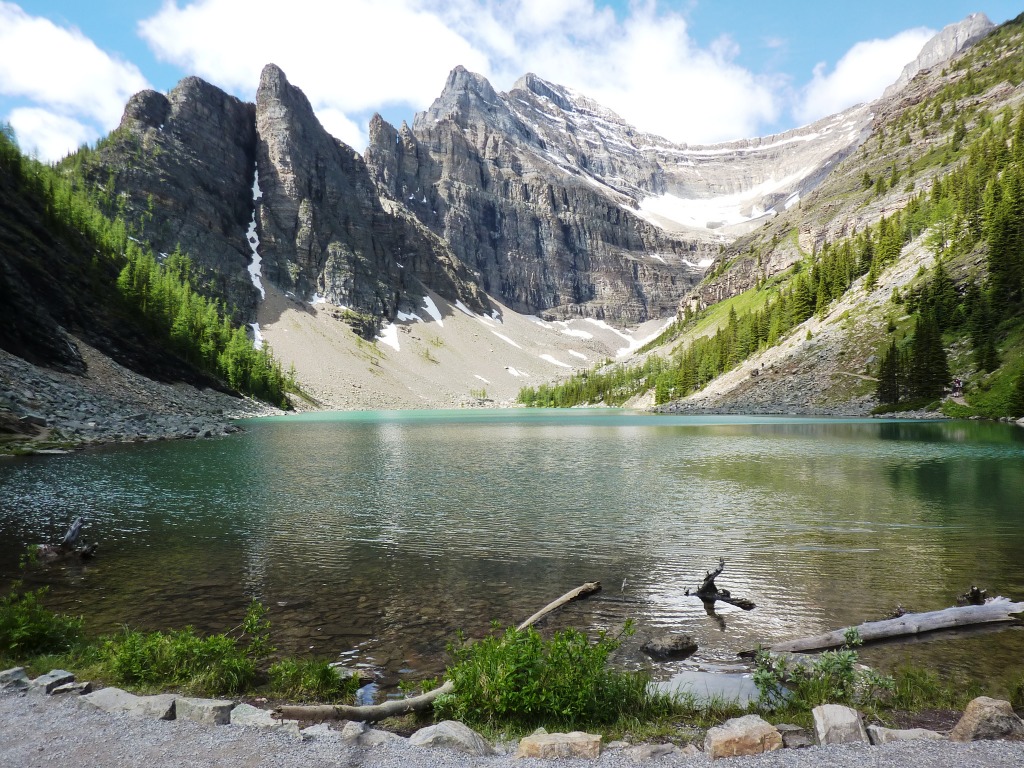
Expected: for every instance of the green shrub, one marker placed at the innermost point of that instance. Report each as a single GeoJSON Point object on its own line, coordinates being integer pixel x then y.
{"type": "Point", "coordinates": [215, 665]}
{"type": "Point", "coordinates": [519, 680]}
{"type": "Point", "coordinates": [310, 679]}
{"type": "Point", "coordinates": [831, 678]}
{"type": "Point", "coordinates": [29, 629]}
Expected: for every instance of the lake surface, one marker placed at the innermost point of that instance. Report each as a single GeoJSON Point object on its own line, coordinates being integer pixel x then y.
{"type": "Point", "coordinates": [374, 537]}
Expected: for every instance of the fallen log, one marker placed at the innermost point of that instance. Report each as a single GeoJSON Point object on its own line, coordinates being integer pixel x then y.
{"type": "Point", "coordinates": [998, 609]}
{"type": "Point", "coordinates": [396, 707]}
{"type": "Point", "coordinates": [709, 593]}
{"type": "Point", "coordinates": [66, 548]}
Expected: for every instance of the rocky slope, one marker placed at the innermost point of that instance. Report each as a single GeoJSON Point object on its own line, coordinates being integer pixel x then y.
{"type": "Point", "coordinates": [828, 364]}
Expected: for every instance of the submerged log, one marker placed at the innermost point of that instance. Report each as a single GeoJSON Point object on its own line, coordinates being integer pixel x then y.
{"type": "Point", "coordinates": [396, 707]}
{"type": "Point", "coordinates": [998, 609]}
{"type": "Point", "coordinates": [709, 593]}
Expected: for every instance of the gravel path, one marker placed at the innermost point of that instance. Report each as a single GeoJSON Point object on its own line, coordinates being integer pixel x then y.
{"type": "Point", "coordinates": [38, 731]}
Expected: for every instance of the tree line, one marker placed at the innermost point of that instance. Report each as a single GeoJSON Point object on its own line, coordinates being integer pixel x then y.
{"type": "Point", "coordinates": [161, 292]}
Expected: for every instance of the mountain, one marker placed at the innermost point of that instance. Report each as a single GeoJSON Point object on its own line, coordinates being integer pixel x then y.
{"type": "Point", "coordinates": [224, 180]}
{"type": "Point", "coordinates": [508, 239]}
{"type": "Point", "coordinates": [914, 240]}
{"type": "Point", "coordinates": [567, 210]}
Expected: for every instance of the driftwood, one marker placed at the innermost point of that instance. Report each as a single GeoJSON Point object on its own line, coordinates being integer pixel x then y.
{"type": "Point", "coordinates": [709, 593]}
{"type": "Point", "coordinates": [66, 548]}
{"type": "Point", "coordinates": [998, 609]}
{"type": "Point", "coordinates": [396, 707]}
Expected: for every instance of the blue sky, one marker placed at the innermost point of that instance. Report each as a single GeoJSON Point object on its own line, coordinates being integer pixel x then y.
{"type": "Point", "coordinates": [694, 71]}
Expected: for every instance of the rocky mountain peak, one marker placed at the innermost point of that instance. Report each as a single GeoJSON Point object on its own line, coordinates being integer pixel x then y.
{"type": "Point", "coordinates": [465, 95]}
{"type": "Point", "coordinates": [149, 109]}
{"type": "Point", "coordinates": [942, 47]}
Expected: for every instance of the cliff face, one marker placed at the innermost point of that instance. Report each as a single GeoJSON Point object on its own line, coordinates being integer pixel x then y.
{"type": "Point", "coordinates": [323, 229]}
{"type": "Point", "coordinates": [544, 237]}
{"type": "Point", "coordinates": [565, 209]}
{"type": "Point", "coordinates": [180, 168]}
{"type": "Point", "coordinates": [187, 170]}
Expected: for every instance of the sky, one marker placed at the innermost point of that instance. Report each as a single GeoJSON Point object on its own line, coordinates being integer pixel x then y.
{"type": "Point", "coordinates": [693, 71]}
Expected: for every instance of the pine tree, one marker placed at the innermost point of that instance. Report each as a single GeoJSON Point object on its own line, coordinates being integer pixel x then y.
{"type": "Point", "coordinates": [888, 390]}
{"type": "Point", "coordinates": [929, 368]}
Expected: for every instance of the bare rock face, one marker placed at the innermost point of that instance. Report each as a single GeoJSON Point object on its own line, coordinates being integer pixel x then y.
{"type": "Point", "coordinates": [945, 45]}
{"type": "Point", "coordinates": [564, 208]}
{"type": "Point", "coordinates": [323, 229]}
{"type": "Point", "coordinates": [185, 164]}
{"type": "Point", "coordinates": [542, 235]}
{"type": "Point", "coordinates": [986, 718]}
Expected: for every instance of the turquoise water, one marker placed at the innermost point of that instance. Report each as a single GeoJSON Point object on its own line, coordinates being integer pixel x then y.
{"type": "Point", "coordinates": [376, 536]}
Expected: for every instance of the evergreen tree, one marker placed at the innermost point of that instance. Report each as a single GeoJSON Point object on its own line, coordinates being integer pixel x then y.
{"type": "Point", "coordinates": [929, 369]}
{"type": "Point", "coordinates": [889, 376]}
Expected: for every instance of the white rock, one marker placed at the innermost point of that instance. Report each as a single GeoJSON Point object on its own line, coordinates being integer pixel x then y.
{"type": "Point", "coordinates": [836, 724]}
{"type": "Point", "coordinates": [160, 707]}
{"type": "Point", "coordinates": [880, 735]}
{"type": "Point", "coordinates": [248, 716]}
{"type": "Point", "coordinates": [749, 735]}
{"type": "Point", "coordinates": [453, 735]}
{"type": "Point", "coordinates": [554, 746]}
{"type": "Point", "coordinates": [208, 711]}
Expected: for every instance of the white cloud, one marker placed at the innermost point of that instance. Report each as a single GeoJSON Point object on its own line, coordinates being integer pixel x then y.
{"type": "Point", "coordinates": [350, 57]}
{"type": "Point", "coordinates": [860, 75]}
{"type": "Point", "coordinates": [645, 67]}
{"type": "Point", "coordinates": [368, 54]}
{"type": "Point", "coordinates": [47, 135]}
{"type": "Point", "coordinates": [62, 69]}
{"type": "Point", "coordinates": [338, 124]}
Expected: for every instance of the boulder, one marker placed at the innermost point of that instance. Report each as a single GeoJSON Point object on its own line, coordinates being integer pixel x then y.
{"type": "Point", "coordinates": [248, 716]}
{"type": "Point", "coordinates": [794, 737]}
{"type": "Point", "coordinates": [880, 735]}
{"type": "Point", "coordinates": [452, 734]}
{"type": "Point", "coordinates": [554, 746]}
{"type": "Point", "coordinates": [80, 688]}
{"type": "Point", "coordinates": [208, 711]}
{"type": "Point", "coordinates": [55, 677]}
{"type": "Point", "coordinates": [749, 735]}
{"type": "Point", "coordinates": [641, 753]}
{"type": "Point", "coordinates": [159, 707]}
{"type": "Point", "coordinates": [836, 724]}
{"type": "Point", "coordinates": [363, 735]}
{"type": "Point", "coordinates": [986, 718]}
{"type": "Point", "coordinates": [14, 679]}
{"type": "Point", "coordinates": [670, 647]}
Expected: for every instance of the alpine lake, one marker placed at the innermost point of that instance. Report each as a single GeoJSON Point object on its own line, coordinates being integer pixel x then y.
{"type": "Point", "coordinates": [374, 538]}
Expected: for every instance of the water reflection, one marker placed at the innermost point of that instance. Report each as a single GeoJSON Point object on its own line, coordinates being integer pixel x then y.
{"type": "Point", "coordinates": [376, 536]}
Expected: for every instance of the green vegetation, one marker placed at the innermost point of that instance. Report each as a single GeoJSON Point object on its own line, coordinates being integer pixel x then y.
{"type": "Point", "coordinates": [162, 294]}
{"type": "Point", "coordinates": [977, 206]}
{"type": "Point", "coordinates": [223, 664]}
{"type": "Point", "coordinates": [27, 628]}
{"type": "Point", "coordinates": [831, 678]}
{"type": "Point", "coordinates": [311, 680]}
{"type": "Point", "coordinates": [217, 664]}
{"type": "Point", "coordinates": [518, 680]}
